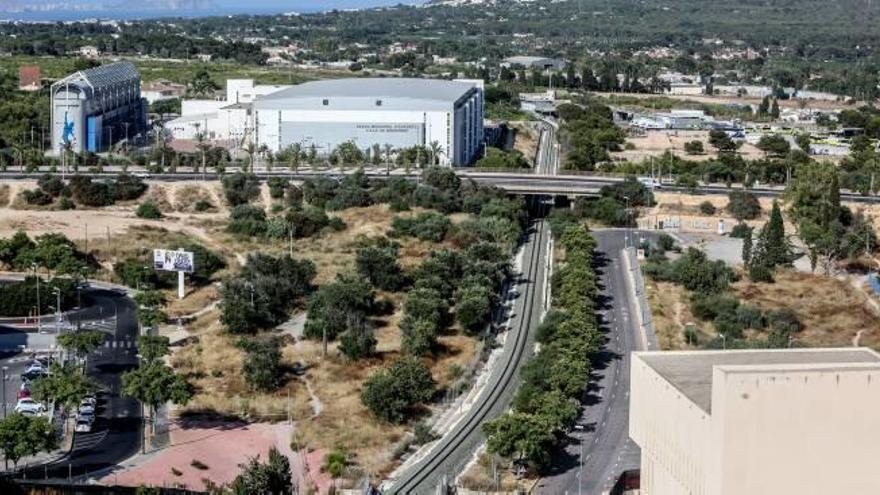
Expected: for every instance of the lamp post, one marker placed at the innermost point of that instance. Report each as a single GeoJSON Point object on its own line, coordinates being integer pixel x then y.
{"type": "Point", "coordinates": [5, 369]}
{"type": "Point", "coordinates": [37, 275]}
{"type": "Point", "coordinates": [57, 292]}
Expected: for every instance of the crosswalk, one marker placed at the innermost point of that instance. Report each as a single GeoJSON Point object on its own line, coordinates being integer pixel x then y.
{"type": "Point", "coordinates": [120, 344]}
{"type": "Point", "coordinates": [83, 441]}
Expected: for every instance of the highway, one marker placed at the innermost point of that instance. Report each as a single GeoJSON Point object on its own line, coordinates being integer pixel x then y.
{"type": "Point", "coordinates": [448, 456]}
{"type": "Point", "coordinates": [516, 182]}
{"type": "Point", "coordinates": [594, 457]}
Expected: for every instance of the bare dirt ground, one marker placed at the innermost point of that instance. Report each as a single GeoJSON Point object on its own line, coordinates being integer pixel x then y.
{"type": "Point", "coordinates": [832, 310]}
{"type": "Point", "coordinates": [526, 141]}
{"type": "Point", "coordinates": [656, 143]}
{"type": "Point", "coordinates": [814, 104]}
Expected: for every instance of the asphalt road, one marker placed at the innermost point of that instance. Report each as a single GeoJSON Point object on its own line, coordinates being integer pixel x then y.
{"type": "Point", "coordinates": [514, 182]}
{"type": "Point", "coordinates": [449, 456]}
{"type": "Point", "coordinates": [116, 434]}
{"type": "Point", "coordinates": [594, 457]}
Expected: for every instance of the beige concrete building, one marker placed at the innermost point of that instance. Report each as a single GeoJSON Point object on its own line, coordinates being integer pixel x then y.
{"type": "Point", "coordinates": [754, 422]}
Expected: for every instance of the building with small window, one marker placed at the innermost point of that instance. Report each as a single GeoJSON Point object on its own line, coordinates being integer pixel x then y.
{"type": "Point", "coordinates": [95, 108]}
{"type": "Point", "coordinates": [396, 112]}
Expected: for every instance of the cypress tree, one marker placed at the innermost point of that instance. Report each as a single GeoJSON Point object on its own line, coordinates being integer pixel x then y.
{"type": "Point", "coordinates": [773, 248]}
{"type": "Point", "coordinates": [747, 248]}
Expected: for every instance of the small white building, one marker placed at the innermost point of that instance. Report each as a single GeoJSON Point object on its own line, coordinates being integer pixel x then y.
{"type": "Point", "coordinates": [229, 119]}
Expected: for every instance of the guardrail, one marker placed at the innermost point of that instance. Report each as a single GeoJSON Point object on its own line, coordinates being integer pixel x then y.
{"type": "Point", "coordinates": [646, 324]}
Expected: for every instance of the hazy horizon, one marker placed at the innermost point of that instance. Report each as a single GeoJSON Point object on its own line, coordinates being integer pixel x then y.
{"type": "Point", "coordinates": [223, 8]}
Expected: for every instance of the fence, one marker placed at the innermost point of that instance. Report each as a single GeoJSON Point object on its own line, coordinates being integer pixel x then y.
{"type": "Point", "coordinates": [646, 324]}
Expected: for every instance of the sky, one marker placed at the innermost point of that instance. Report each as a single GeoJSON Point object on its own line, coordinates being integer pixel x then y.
{"type": "Point", "coordinates": [224, 7]}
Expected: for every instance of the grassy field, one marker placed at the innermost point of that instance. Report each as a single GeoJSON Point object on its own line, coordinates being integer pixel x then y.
{"type": "Point", "coordinates": [179, 71]}
{"type": "Point", "coordinates": [833, 311]}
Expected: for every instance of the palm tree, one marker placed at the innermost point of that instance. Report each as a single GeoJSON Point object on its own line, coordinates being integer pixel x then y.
{"type": "Point", "coordinates": [295, 156]}
{"type": "Point", "coordinates": [388, 151]}
{"type": "Point", "coordinates": [436, 151]}
{"type": "Point", "coordinates": [263, 151]}
{"type": "Point", "coordinates": [250, 149]}
{"type": "Point", "coordinates": [203, 146]}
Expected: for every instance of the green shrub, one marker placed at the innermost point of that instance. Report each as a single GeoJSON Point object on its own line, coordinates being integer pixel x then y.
{"type": "Point", "coordinates": [36, 197]}
{"type": "Point", "coordinates": [759, 272]}
{"type": "Point", "coordinates": [395, 393]}
{"type": "Point", "coordinates": [741, 231]}
{"type": "Point", "coordinates": [426, 226]}
{"type": "Point", "coordinates": [784, 319]}
{"type": "Point", "coordinates": [203, 205]}
{"type": "Point", "coordinates": [240, 188]}
{"type": "Point", "coordinates": [277, 186]}
{"type": "Point", "coordinates": [710, 306]}
{"type": "Point", "coordinates": [247, 220]}
{"type": "Point", "coordinates": [51, 184]}
{"type": "Point", "coordinates": [707, 208]}
{"type": "Point", "coordinates": [149, 210]}
{"type": "Point", "coordinates": [66, 204]}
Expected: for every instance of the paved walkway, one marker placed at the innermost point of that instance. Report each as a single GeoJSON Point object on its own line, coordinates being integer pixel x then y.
{"type": "Point", "coordinates": [212, 450]}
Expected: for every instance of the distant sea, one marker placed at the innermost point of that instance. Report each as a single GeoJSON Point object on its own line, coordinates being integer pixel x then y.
{"type": "Point", "coordinates": [227, 9]}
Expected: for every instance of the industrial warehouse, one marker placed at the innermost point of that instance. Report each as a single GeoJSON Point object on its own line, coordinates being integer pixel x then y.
{"type": "Point", "coordinates": [95, 108]}
{"type": "Point", "coordinates": [389, 112]}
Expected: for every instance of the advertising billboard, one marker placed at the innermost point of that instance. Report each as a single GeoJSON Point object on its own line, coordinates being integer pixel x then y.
{"type": "Point", "coordinates": [173, 261]}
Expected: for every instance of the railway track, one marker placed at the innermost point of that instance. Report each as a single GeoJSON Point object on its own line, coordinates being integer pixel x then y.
{"type": "Point", "coordinates": [449, 457]}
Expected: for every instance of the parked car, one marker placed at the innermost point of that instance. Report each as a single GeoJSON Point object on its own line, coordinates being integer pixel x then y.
{"type": "Point", "coordinates": [86, 408]}
{"type": "Point", "coordinates": [23, 392]}
{"type": "Point", "coordinates": [90, 399]}
{"type": "Point", "coordinates": [83, 426]}
{"type": "Point", "coordinates": [30, 405]}
{"type": "Point", "coordinates": [36, 367]}
{"type": "Point", "coordinates": [85, 416]}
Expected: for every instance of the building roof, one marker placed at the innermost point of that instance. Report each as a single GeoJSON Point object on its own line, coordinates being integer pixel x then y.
{"type": "Point", "coordinates": [412, 88]}
{"type": "Point", "coordinates": [104, 75]}
{"type": "Point", "coordinates": [529, 60]}
{"type": "Point", "coordinates": [690, 372]}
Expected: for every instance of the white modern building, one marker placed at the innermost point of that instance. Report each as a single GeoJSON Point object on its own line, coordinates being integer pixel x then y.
{"type": "Point", "coordinates": [93, 109]}
{"type": "Point", "coordinates": [399, 112]}
{"type": "Point", "coordinates": [757, 422]}
{"type": "Point", "coordinates": [228, 120]}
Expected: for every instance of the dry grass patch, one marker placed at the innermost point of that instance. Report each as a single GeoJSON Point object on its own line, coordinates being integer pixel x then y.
{"type": "Point", "coordinates": [196, 299]}
{"type": "Point", "coordinates": [214, 366]}
{"type": "Point", "coordinates": [186, 197]}
{"type": "Point", "coordinates": [158, 195]}
{"type": "Point", "coordinates": [344, 421]}
{"type": "Point", "coordinates": [831, 310]}
{"type": "Point", "coordinates": [671, 315]}
{"type": "Point", "coordinates": [5, 195]}
{"type": "Point", "coordinates": [486, 476]}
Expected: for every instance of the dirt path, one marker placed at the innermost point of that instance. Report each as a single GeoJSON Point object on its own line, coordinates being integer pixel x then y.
{"type": "Point", "coordinates": [870, 302]}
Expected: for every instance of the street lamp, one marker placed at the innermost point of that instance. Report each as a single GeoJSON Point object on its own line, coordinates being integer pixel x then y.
{"type": "Point", "coordinates": [37, 275]}
{"type": "Point", "coordinates": [5, 369]}
{"type": "Point", "coordinates": [57, 293]}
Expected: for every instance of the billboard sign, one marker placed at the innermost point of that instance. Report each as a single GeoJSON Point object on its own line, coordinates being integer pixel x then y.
{"type": "Point", "coordinates": [173, 261]}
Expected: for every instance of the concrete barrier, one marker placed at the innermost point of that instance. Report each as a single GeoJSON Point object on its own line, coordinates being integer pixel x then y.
{"type": "Point", "coordinates": [636, 286]}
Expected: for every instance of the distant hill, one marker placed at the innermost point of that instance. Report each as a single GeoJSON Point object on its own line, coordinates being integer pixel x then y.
{"type": "Point", "coordinates": [102, 5]}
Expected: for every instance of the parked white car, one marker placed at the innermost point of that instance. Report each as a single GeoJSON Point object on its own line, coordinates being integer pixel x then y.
{"type": "Point", "coordinates": [28, 405]}
{"type": "Point", "coordinates": [86, 408]}
{"type": "Point", "coordinates": [83, 426]}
